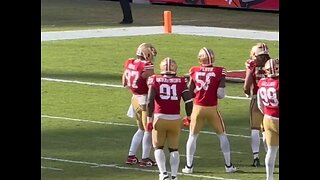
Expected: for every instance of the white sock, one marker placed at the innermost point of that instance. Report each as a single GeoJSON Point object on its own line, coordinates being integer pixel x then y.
{"type": "Point", "coordinates": [270, 161]}
{"type": "Point", "coordinates": [146, 145]}
{"type": "Point", "coordinates": [225, 148]}
{"type": "Point", "coordinates": [174, 162]}
{"type": "Point", "coordinates": [160, 159]}
{"type": "Point", "coordinates": [191, 148]}
{"type": "Point", "coordinates": [255, 142]}
{"type": "Point", "coordinates": [135, 142]}
{"type": "Point", "coordinates": [264, 140]}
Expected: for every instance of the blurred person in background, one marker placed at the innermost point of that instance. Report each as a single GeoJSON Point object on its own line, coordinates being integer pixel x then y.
{"type": "Point", "coordinates": [126, 11]}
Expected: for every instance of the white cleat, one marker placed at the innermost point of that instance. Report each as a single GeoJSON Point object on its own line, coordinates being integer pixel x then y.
{"type": "Point", "coordinates": [230, 169]}
{"type": "Point", "coordinates": [164, 176]}
{"type": "Point", "coordinates": [187, 170]}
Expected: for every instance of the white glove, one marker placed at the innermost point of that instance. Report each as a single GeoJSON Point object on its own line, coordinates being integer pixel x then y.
{"type": "Point", "coordinates": [131, 113]}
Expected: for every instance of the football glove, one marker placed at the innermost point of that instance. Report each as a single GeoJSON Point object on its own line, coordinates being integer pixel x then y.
{"type": "Point", "coordinates": [149, 126]}
{"type": "Point", "coordinates": [186, 121]}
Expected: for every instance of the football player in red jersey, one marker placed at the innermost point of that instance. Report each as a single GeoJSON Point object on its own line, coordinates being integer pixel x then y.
{"type": "Point", "coordinates": [163, 106]}
{"type": "Point", "coordinates": [207, 82]}
{"type": "Point", "coordinates": [136, 72]}
{"type": "Point", "coordinates": [268, 103]}
{"type": "Point", "coordinates": [259, 55]}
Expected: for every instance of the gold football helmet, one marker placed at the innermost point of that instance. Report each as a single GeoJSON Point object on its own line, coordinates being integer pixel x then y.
{"type": "Point", "coordinates": [259, 49]}
{"type": "Point", "coordinates": [146, 53]}
{"type": "Point", "coordinates": [272, 68]}
{"type": "Point", "coordinates": [147, 45]}
{"type": "Point", "coordinates": [206, 56]}
{"type": "Point", "coordinates": [168, 66]}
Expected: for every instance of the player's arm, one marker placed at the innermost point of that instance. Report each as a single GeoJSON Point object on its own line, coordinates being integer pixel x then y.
{"type": "Point", "coordinates": [124, 79]}
{"type": "Point", "coordinates": [247, 82]}
{"type": "Point", "coordinates": [148, 71]}
{"type": "Point", "coordinates": [124, 74]}
{"type": "Point", "coordinates": [150, 101]}
{"type": "Point", "coordinates": [150, 107]}
{"type": "Point", "coordinates": [259, 102]}
{"type": "Point", "coordinates": [191, 87]}
{"type": "Point", "coordinates": [187, 98]}
{"type": "Point", "coordinates": [221, 88]}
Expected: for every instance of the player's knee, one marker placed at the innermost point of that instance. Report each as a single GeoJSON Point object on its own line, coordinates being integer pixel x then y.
{"type": "Point", "coordinates": [158, 147]}
{"type": "Point", "coordinates": [172, 150]}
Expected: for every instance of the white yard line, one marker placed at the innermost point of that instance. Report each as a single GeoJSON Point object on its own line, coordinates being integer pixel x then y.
{"type": "Point", "coordinates": [93, 164]}
{"type": "Point", "coordinates": [124, 124]}
{"type": "Point", "coordinates": [111, 85]}
{"type": "Point", "coordinates": [152, 30]}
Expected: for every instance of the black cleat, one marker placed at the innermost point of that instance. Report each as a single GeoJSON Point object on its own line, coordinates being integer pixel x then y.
{"type": "Point", "coordinates": [126, 22]}
{"type": "Point", "coordinates": [256, 162]}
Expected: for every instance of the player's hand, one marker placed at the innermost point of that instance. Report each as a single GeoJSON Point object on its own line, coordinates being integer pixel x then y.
{"type": "Point", "coordinates": [186, 121]}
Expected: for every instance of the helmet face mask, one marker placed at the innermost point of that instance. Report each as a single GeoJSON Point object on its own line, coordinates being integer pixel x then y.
{"type": "Point", "coordinates": [147, 54]}
{"type": "Point", "coordinates": [168, 66]}
{"type": "Point", "coordinates": [206, 56]}
{"type": "Point", "coordinates": [272, 68]}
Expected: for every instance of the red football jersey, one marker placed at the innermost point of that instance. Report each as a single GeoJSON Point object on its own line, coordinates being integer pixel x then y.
{"type": "Point", "coordinates": [257, 73]}
{"type": "Point", "coordinates": [133, 71]}
{"type": "Point", "coordinates": [206, 80]}
{"type": "Point", "coordinates": [168, 93]}
{"type": "Point", "coordinates": [269, 95]}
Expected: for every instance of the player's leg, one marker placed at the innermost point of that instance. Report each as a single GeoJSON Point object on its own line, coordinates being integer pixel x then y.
{"type": "Point", "coordinates": [272, 138]}
{"type": "Point", "coordinates": [173, 138]}
{"type": "Point", "coordinates": [158, 140]}
{"type": "Point", "coordinates": [146, 140]}
{"type": "Point", "coordinates": [256, 118]}
{"type": "Point", "coordinates": [215, 120]}
{"type": "Point", "coordinates": [137, 137]}
{"type": "Point", "coordinates": [196, 125]}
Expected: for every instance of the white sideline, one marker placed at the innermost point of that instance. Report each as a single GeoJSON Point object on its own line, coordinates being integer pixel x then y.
{"type": "Point", "coordinates": [123, 124]}
{"type": "Point", "coordinates": [111, 85]}
{"type": "Point", "coordinates": [51, 168]}
{"type": "Point", "coordinates": [152, 30]}
{"type": "Point", "coordinates": [129, 168]}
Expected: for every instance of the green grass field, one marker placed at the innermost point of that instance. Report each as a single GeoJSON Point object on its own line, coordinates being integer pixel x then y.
{"type": "Point", "coordinates": [85, 133]}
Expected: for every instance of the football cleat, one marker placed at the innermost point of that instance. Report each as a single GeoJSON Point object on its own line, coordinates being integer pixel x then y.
{"type": "Point", "coordinates": [174, 178]}
{"type": "Point", "coordinates": [132, 160]}
{"type": "Point", "coordinates": [147, 162]}
{"type": "Point", "coordinates": [187, 170]}
{"type": "Point", "coordinates": [164, 176]}
{"type": "Point", "coordinates": [231, 168]}
{"type": "Point", "coordinates": [256, 162]}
